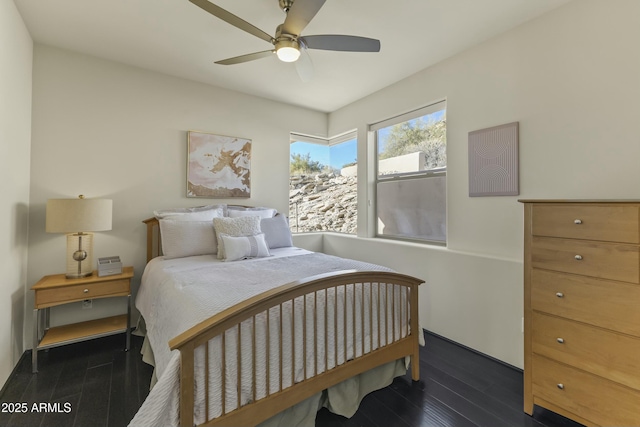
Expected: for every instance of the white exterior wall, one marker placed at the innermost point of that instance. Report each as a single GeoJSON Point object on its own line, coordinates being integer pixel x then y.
{"type": "Point", "coordinates": [406, 163]}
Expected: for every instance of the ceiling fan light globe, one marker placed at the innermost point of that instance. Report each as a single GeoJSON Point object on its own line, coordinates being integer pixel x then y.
{"type": "Point", "coordinates": [288, 50]}
{"type": "Point", "coordinates": [288, 54]}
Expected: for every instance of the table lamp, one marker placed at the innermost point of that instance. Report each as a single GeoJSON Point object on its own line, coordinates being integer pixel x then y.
{"type": "Point", "coordinates": [76, 217]}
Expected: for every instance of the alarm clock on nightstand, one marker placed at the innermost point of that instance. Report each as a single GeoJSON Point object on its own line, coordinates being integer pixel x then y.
{"type": "Point", "coordinates": [109, 266]}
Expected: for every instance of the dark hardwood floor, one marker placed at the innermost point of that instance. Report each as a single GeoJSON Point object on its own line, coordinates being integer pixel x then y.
{"type": "Point", "coordinates": [96, 383]}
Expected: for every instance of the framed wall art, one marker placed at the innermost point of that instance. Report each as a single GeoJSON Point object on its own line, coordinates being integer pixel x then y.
{"type": "Point", "coordinates": [493, 161]}
{"type": "Point", "coordinates": [218, 166]}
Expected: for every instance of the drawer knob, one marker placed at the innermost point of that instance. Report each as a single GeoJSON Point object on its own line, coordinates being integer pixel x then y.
{"type": "Point", "coordinates": [578, 257]}
{"type": "Point", "coordinates": [561, 386]}
{"type": "Point", "coordinates": [577, 221]}
{"type": "Point", "coordinates": [559, 294]}
{"type": "Point", "coordinates": [560, 340]}
{"type": "Point", "coordinates": [86, 291]}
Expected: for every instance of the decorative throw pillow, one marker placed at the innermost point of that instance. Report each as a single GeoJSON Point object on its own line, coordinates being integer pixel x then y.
{"type": "Point", "coordinates": [276, 231]}
{"type": "Point", "coordinates": [244, 247]}
{"type": "Point", "coordinates": [187, 238]}
{"type": "Point", "coordinates": [238, 211]}
{"type": "Point", "coordinates": [235, 227]}
{"type": "Point", "coordinates": [199, 213]}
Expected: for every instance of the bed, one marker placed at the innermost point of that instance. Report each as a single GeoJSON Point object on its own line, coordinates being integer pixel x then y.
{"type": "Point", "coordinates": [270, 339]}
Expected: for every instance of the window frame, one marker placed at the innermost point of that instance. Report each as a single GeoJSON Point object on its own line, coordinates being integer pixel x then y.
{"type": "Point", "coordinates": [404, 176]}
{"type": "Point", "coordinates": [328, 142]}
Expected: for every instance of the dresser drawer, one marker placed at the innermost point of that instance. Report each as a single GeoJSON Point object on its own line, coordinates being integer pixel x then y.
{"type": "Point", "coordinates": [611, 305]}
{"type": "Point", "coordinates": [599, 351]}
{"type": "Point", "coordinates": [606, 223]}
{"type": "Point", "coordinates": [595, 259]}
{"type": "Point", "coordinates": [591, 397]}
{"type": "Point", "coordinates": [65, 294]}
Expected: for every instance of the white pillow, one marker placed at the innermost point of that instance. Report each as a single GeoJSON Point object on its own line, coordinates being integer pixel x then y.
{"type": "Point", "coordinates": [199, 213]}
{"type": "Point", "coordinates": [236, 248]}
{"type": "Point", "coordinates": [276, 231]}
{"type": "Point", "coordinates": [187, 238]}
{"type": "Point", "coordinates": [235, 227]}
{"type": "Point", "coordinates": [236, 211]}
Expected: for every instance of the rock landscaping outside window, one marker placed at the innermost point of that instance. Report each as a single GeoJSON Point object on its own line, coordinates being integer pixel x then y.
{"type": "Point", "coordinates": [324, 201]}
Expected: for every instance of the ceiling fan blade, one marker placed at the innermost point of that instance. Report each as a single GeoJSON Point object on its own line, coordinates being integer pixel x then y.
{"type": "Point", "coordinates": [341, 43]}
{"type": "Point", "coordinates": [246, 58]}
{"type": "Point", "coordinates": [304, 65]}
{"type": "Point", "coordinates": [232, 19]}
{"type": "Point", "coordinates": [300, 14]}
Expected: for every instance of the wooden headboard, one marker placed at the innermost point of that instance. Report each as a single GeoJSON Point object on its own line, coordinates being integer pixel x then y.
{"type": "Point", "coordinates": [154, 242]}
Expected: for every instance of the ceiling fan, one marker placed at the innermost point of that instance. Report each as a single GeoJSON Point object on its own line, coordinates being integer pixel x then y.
{"type": "Point", "coordinates": [288, 42]}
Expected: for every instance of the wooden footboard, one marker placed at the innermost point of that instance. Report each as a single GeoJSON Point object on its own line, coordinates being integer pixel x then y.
{"type": "Point", "coordinates": [339, 325]}
{"type": "Point", "coordinates": [379, 319]}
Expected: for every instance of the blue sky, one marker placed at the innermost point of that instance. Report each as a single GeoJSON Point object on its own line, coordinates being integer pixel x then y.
{"type": "Point", "coordinates": [335, 156]}
{"type": "Point", "coordinates": [346, 152]}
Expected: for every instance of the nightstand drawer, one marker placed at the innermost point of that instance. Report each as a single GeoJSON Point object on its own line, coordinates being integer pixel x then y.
{"type": "Point", "coordinates": [66, 294]}
{"type": "Point", "coordinates": [611, 305]}
{"type": "Point", "coordinates": [608, 354]}
{"type": "Point", "coordinates": [605, 223]}
{"type": "Point", "coordinates": [590, 397]}
{"type": "Point", "coordinates": [604, 260]}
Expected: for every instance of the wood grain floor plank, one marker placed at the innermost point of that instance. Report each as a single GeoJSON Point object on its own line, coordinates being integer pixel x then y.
{"type": "Point", "coordinates": [106, 385]}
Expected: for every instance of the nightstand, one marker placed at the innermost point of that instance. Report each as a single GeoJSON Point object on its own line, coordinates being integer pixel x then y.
{"type": "Point", "coordinates": [56, 289]}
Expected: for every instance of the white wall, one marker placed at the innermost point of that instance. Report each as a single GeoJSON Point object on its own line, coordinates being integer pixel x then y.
{"type": "Point", "coordinates": [572, 80]}
{"type": "Point", "coordinates": [103, 129]}
{"type": "Point", "coordinates": [16, 53]}
{"type": "Point", "coordinates": [309, 241]}
{"type": "Point", "coordinates": [469, 298]}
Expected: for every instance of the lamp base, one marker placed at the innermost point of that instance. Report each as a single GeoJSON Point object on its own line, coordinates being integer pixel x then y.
{"type": "Point", "coordinates": [78, 276]}
{"type": "Point", "coordinates": [79, 255]}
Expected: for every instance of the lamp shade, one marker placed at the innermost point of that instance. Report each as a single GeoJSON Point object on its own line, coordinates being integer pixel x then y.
{"type": "Point", "coordinates": [78, 215]}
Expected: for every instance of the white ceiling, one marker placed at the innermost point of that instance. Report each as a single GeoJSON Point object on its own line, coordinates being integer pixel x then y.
{"type": "Point", "coordinates": [180, 39]}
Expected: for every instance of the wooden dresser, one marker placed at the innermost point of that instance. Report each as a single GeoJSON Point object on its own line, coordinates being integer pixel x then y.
{"type": "Point", "coordinates": [582, 310]}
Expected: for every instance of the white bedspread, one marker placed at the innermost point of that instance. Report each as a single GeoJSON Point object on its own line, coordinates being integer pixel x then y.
{"type": "Point", "coordinates": [179, 293]}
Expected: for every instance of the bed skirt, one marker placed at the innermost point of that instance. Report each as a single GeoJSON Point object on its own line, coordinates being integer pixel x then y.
{"type": "Point", "coordinates": [342, 399]}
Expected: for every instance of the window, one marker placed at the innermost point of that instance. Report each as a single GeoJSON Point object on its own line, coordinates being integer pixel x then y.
{"type": "Point", "coordinates": [411, 175]}
{"type": "Point", "coordinates": [323, 184]}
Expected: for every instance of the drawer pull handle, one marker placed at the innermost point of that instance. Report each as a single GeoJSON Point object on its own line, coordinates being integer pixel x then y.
{"type": "Point", "coordinates": [578, 257]}
{"type": "Point", "coordinates": [559, 294]}
{"type": "Point", "coordinates": [561, 386]}
{"type": "Point", "coordinates": [86, 291]}
{"type": "Point", "coordinates": [577, 221]}
{"type": "Point", "coordinates": [560, 340]}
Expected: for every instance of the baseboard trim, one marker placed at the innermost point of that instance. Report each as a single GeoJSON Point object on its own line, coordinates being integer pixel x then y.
{"type": "Point", "coordinates": [502, 362]}
{"type": "Point", "coordinates": [26, 354]}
